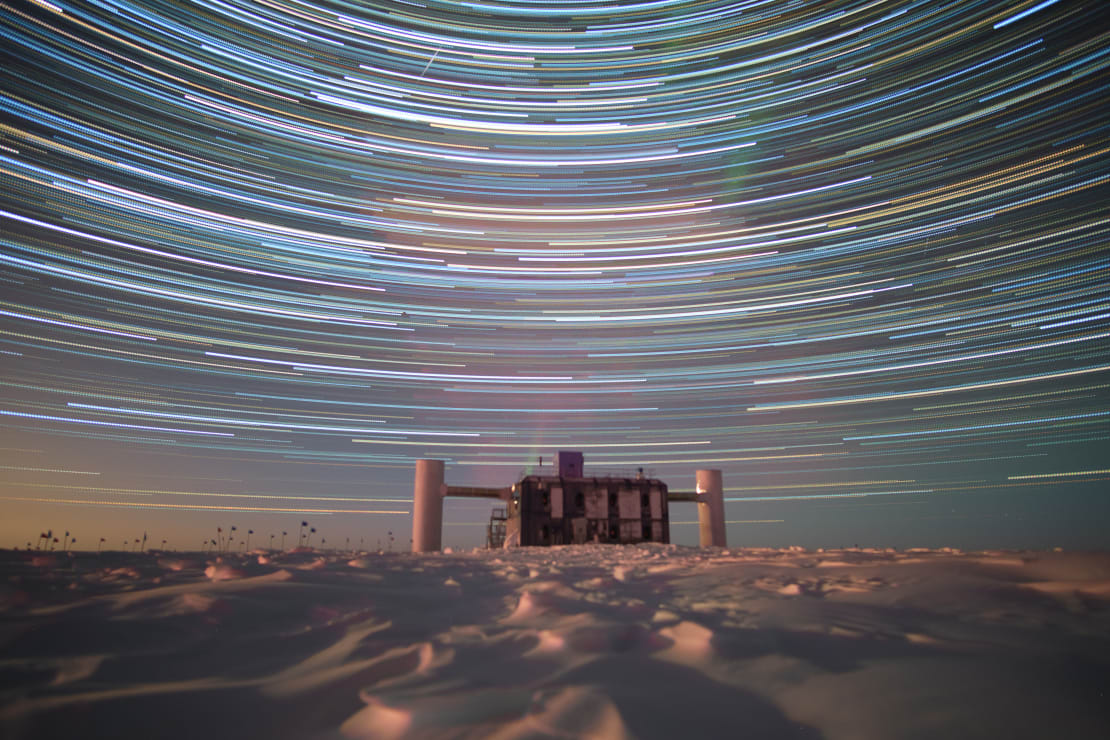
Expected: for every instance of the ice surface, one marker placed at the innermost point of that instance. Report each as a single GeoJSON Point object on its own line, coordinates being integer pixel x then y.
{"type": "Point", "coordinates": [592, 641]}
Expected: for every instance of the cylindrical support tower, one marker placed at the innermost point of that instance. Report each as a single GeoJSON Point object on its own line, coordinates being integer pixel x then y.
{"type": "Point", "coordinates": [711, 509]}
{"type": "Point", "coordinates": [427, 506]}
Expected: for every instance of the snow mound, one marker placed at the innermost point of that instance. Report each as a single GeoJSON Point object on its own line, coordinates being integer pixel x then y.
{"type": "Point", "coordinates": [648, 641]}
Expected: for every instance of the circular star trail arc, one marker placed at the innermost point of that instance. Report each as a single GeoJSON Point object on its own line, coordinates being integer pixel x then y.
{"type": "Point", "coordinates": [315, 241]}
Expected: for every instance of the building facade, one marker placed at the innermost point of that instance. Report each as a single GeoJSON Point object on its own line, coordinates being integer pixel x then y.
{"type": "Point", "coordinates": [559, 510]}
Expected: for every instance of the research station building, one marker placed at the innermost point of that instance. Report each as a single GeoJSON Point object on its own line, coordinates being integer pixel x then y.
{"type": "Point", "coordinates": [566, 507]}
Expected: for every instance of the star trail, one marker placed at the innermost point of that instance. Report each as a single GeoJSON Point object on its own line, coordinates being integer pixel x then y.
{"type": "Point", "coordinates": [258, 257]}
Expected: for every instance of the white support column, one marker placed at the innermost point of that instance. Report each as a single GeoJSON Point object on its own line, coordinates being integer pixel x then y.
{"type": "Point", "coordinates": [427, 506]}
{"type": "Point", "coordinates": [711, 509]}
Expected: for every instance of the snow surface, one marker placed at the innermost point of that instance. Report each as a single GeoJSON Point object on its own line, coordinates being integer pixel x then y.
{"type": "Point", "coordinates": [590, 641]}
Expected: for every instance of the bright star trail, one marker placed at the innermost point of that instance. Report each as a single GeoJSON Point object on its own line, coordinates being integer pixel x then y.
{"type": "Point", "coordinates": [854, 254]}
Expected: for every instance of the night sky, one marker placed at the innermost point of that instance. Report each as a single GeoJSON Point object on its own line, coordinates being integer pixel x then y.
{"type": "Point", "coordinates": [257, 258]}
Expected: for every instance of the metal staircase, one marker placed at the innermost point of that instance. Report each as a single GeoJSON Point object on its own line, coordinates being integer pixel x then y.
{"type": "Point", "coordinates": [495, 530]}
